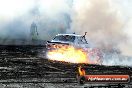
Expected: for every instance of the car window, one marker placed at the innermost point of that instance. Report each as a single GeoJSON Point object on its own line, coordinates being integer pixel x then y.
{"type": "Point", "coordinates": [81, 40]}
{"type": "Point", "coordinates": [66, 38]}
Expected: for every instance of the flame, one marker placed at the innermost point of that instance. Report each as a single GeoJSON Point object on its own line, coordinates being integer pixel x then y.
{"type": "Point", "coordinates": [81, 71]}
{"type": "Point", "coordinates": [68, 54]}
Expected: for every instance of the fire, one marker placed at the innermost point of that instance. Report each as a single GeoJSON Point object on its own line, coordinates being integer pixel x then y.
{"type": "Point", "coordinates": [68, 54]}
{"type": "Point", "coordinates": [81, 71]}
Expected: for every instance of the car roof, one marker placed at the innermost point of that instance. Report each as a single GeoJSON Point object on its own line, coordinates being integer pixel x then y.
{"type": "Point", "coordinates": [70, 35]}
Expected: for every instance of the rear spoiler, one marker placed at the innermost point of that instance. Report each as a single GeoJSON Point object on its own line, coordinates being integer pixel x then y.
{"type": "Point", "coordinates": [85, 34]}
{"type": "Point", "coordinates": [85, 37]}
{"type": "Point", "coordinates": [57, 43]}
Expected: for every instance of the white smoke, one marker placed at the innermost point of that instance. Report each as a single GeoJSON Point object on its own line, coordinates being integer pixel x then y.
{"type": "Point", "coordinates": [108, 28]}
{"type": "Point", "coordinates": [116, 59]}
{"type": "Point", "coordinates": [16, 17]}
{"type": "Point", "coordinates": [108, 22]}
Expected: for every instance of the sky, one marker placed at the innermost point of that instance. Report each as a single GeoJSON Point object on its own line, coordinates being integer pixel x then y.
{"type": "Point", "coordinates": [108, 20]}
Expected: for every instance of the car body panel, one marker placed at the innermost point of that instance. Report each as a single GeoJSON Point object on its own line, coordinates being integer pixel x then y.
{"type": "Point", "coordinates": [77, 41]}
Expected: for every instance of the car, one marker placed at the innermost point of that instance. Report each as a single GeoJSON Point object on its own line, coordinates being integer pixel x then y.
{"type": "Point", "coordinates": [77, 41]}
{"type": "Point", "coordinates": [62, 41]}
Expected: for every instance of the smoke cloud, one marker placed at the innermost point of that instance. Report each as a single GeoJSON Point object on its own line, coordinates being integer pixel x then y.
{"type": "Point", "coordinates": [16, 17]}
{"type": "Point", "coordinates": [104, 24]}
{"type": "Point", "coordinates": [107, 22]}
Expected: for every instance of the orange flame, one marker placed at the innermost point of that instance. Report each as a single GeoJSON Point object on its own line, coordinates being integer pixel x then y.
{"type": "Point", "coordinates": [68, 54]}
{"type": "Point", "coordinates": [81, 71]}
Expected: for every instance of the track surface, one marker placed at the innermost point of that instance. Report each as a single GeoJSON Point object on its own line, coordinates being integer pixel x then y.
{"type": "Point", "coordinates": [22, 66]}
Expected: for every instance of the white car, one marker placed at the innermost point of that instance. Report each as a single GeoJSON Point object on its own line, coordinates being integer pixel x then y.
{"type": "Point", "coordinates": [75, 40]}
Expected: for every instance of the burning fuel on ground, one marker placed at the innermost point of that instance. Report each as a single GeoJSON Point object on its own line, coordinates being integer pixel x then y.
{"type": "Point", "coordinates": [73, 55]}
{"type": "Point", "coordinates": [68, 54]}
